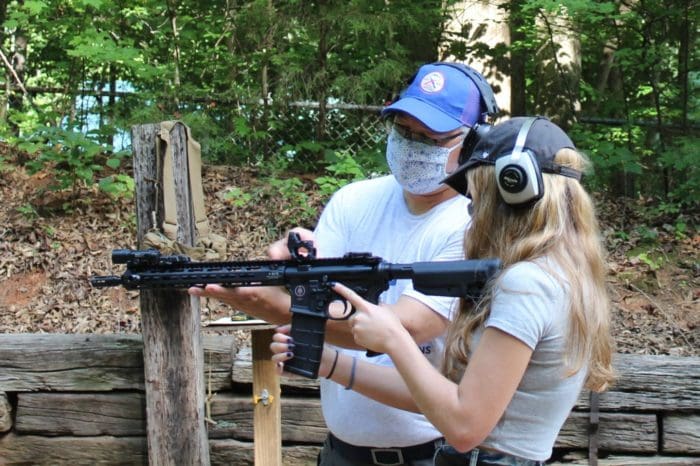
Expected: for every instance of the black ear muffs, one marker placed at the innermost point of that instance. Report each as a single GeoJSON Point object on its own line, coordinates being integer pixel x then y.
{"type": "Point", "coordinates": [488, 105]}
{"type": "Point", "coordinates": [518, 174]}
{"type": "Point", "coordinates": [476, 134]}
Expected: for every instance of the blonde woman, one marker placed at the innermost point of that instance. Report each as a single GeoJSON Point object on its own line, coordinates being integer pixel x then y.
{"type": "Point", "coordinates": [516, 360]}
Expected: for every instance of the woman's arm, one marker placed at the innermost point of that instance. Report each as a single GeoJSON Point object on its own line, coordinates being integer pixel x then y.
{"type": "Point", "coordinates": [466, 412]}
{"type": "Point", "coordinates": [381, 383]}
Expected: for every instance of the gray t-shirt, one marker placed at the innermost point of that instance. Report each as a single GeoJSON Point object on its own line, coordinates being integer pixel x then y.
{"type": "Point", "coordinates": [533, 306]}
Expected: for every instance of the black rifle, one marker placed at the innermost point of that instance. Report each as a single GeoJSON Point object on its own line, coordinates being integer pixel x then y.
{"type": "Point", "coordinates": [309, 281]}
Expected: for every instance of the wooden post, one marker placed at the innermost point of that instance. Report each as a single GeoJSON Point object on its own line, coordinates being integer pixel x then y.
{"type": "Point", "coordinates": [173, 354]}
{"type": "Point", "coordinates": [267, 414]}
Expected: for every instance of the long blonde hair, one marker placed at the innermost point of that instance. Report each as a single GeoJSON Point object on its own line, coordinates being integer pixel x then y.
{"type": "Point", "coordinates": [562, 226]}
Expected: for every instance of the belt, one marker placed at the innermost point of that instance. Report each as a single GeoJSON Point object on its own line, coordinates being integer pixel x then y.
{"type": "Point", "coordinates": [384, 456]}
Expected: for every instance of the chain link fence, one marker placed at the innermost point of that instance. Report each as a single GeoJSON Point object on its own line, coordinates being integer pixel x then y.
{"type": "Point", "coordinates": [297, 133]}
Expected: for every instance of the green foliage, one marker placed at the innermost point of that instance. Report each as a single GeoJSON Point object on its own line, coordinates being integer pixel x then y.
{"type": "Point", "coordinates": [289, 193]}
{"type": "Point", "coordinates": [238, 197]}
{"type": "Point", "coordinates": [679, 229]}
{"type": "Point", "coordinates": [681, 158]}
{"type": "Point", "coordinates": [647, 235]}
{"type": "Point", "coordinates": [69, 154]}
{"type": "Point", "coordinates": [28, 211]}
{"type": "Point", "coordinates": [343, 171]}
{"type": "Point", "coordinates": [230, 70]}
{"type": "Point", "coordinates": [653, 263]}
{"type": "Point", "coordinates": [119, 185]}
{"type": "Point", "coordinates": [74, 159]}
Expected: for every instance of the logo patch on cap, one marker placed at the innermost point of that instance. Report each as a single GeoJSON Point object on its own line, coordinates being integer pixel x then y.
{"type": "Point", "coordinates": [432, 82]}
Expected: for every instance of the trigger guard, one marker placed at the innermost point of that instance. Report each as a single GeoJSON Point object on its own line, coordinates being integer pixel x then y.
{"type": "Point", "coordinates": [345, 316]}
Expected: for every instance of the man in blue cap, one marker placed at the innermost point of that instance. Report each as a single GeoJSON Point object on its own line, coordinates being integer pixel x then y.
{"type": "Point", "coordinates": [408, 216]}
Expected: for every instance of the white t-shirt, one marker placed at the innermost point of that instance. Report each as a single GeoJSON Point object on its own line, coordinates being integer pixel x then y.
{"type": "Point", "coordinates": [533, 306]}
{"type": "Point", "coordinates": [372, 216]}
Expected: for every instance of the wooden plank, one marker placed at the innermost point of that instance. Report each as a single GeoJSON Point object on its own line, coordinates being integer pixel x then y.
{"type": "Point", "coordinates": [242, 373]}
{"type": "Point", "coordinates": [85, 414]}
{"type": "Point", "coordinates": [617, 432]}
{"type": "Point", "coordinates": [104, 362]}
{"type": "Point", "coordinates": [617, 460]}
{"type": "Point", "coordinates": [266, 399]}
{"type": "Point", "coordinates": [219, 353]}
{"type": "Point", "coordinates": [651, 383]}
{"type": "Point", "coordinates": [56, 362]}
{"type": "Point", "coordinates": [119, 451]}
{"type": "Point", "coordinates": [681, 433]}
{"type": "Point", "coordinates": [5, 413]}
{"type": "Point", "coordinates": [123, 414]}
{"type": "Point", "coordinates": [645, 383]}
{"type": "Point", "coordinates": [302, 420]}
{"type": "Point", "coordinates": [103, 450]}
{"type": "Point", "coordinates": [233, 452]}
{"type": "Point", "coordinates": [170, 321]}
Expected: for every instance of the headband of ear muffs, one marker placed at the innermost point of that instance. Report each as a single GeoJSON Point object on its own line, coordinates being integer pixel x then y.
{"type": "Point", "coordinates": [518, 164]}
{"type": "Point", "coordinates": [488, 104]}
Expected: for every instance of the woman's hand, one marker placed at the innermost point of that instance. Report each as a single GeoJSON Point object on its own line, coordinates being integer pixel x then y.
{"type": "Point", "coordinates": [282, 348]}
{"type": "Point", "coordinates": [373, 327]}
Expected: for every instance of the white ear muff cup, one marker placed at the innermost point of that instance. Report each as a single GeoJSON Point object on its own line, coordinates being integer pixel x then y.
{"type": "Point", "coordinates": [519, 179]}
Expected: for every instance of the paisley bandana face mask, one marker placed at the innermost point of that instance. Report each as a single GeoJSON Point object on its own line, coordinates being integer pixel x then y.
{"type": "Point", "coordinates": [418, 167]}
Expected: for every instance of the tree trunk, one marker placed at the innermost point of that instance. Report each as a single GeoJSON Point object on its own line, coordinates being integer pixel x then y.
{"type": "Point", "coordinates": [322, 73]}
{"type": "Point", "coordinates": [518, 58]}
{"type": "Point", "coordinates": [8, 75]}
{"type": "Point", "coordinates": [18, 62]}
{"type": "Point", "coordinates": [558, 69]}
{"type": "Point", "coordinates": [487, 25]}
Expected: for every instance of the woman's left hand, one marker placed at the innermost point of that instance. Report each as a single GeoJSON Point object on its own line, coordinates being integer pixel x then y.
{"type": "Point", "coordinates": [282, 348]}
{"type": "Point", "coordinates": [373, 327]}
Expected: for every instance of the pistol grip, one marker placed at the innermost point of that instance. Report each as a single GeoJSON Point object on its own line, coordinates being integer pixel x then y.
{"type": "Point", "coordinates": [308, 333]}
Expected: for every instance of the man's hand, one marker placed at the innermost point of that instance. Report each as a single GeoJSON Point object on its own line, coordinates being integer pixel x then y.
{"type": "Point", "coordinates": [268, 303]}
{"type": "Point", "coordinates": [279, 250]}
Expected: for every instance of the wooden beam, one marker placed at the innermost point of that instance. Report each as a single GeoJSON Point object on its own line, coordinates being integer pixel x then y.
{"type": "Point", "coordinates": [681, 433]}
{"type": "Point", "coordinates": [646, 382]}
{"type": "Point", "coordinates": [266, 400]}
{"type": "Point", "coordinates": [173, 355]}
{"type": "Point", "coordinates": [5, 413]}
{"type": "Point", "coordinates": [54, 362]}
{"type": "Point", "coordinates": [120, 414]}
{"type": "Point", "coordinates": [60, 362]}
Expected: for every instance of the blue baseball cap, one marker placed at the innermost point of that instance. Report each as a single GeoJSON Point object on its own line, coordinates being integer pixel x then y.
{"type": "Point", "coordinates": [442, 97]}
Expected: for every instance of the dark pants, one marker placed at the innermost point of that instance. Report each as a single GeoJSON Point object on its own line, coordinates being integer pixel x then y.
{"type": "Point", "coordinates": [330, 456]}
{"type": "Point", "coordinates": [448, 456]}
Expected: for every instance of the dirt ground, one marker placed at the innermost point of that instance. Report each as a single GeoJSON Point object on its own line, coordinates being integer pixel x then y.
{"type": "Point", "coordinates": [52, 243]}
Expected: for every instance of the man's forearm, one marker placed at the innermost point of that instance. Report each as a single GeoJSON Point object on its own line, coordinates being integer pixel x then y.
{"type": "Point", "coordinates": [339, 333]}
{"type": "Point", "coordinates": [271, 305]}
